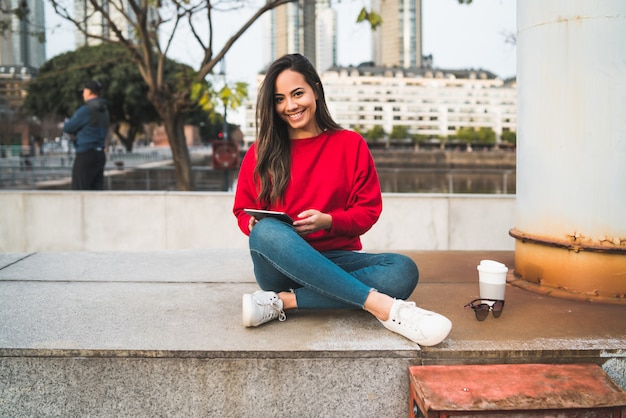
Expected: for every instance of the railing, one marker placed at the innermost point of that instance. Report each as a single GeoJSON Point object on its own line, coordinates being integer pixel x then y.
{"type": "Point", "coordinates": [135, 178]}
{"type": "Point", "coordinates": [22, 171]}
{"type": "Point", "coordinates": [151, 169]}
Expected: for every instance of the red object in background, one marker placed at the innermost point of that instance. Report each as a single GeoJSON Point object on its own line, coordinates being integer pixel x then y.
{"type": "Point", "coordinates": [522, 390]}
{"type": "Point", "coordinates": [225, 155]}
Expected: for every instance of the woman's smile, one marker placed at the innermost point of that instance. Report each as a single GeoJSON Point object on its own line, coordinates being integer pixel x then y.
{"type": "Point", "coordinates": [295, 115]}
{"type": "Point", "coordinates": [296, 103]}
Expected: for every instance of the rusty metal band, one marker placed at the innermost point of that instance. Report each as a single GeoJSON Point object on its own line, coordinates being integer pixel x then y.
{"type": "Point", "coordinates": [574, 246]}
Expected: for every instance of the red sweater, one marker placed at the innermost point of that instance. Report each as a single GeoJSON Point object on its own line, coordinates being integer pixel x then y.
{"type": "Point", "coordinates": [334, 173]}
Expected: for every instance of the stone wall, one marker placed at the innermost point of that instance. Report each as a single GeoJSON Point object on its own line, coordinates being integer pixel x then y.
{"type": "Point", "coordinates": [36, 221]}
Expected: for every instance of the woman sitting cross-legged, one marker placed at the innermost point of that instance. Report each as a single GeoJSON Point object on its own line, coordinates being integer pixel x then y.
{"type": "Point", "coordinates": [323, 177]}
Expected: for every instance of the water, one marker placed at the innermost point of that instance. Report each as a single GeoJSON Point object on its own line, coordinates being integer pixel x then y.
{"type": "Point", "coordinates": [40, 171]}
{"type": "Point", "coordinates": [470, 181]}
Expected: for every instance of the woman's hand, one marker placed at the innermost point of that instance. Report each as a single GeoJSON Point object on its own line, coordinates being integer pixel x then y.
{"type": "Point", "coordinates": [312, 220]}
{"type": "Point", "coordinates": [251, 223]}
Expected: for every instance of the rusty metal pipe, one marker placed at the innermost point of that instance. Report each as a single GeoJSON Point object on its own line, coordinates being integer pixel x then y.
{"type": "Point", "coordinates": [571, 173]}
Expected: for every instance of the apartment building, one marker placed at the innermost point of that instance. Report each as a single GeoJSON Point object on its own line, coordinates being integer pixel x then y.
{"type": "Point", "coordinates": [427, 101]}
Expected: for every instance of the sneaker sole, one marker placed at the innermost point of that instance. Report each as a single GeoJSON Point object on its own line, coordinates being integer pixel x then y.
{"type": "Point", "coordinates": [246, 312]}
{"type": "Point", "coordinates": [443, 329]}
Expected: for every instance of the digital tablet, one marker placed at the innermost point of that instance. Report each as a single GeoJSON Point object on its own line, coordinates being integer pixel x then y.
{"type": "Point", "coordinates": [260, 214]}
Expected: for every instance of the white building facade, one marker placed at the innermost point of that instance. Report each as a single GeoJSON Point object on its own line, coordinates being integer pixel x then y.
{"type": "Point", "coordinates": [432, 102]}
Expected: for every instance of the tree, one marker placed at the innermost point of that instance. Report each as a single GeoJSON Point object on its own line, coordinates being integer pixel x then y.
{"type": "Point", "coordinates": [149, 45]}
{"type": "Point", "coordinates": [399, 132]}
{"type": "Point", "coordinates": [482, 135]}
{"type": "Point", "coordinates": [419, 138]}
{"type": "Point", "coordinates": [377, 132]}
{"type": "Point", "coordinates": [486, 136]}
{"type": "Point", "coordinates": [55, 91]}
{"type": "Point", "coordinates": [509, 137]}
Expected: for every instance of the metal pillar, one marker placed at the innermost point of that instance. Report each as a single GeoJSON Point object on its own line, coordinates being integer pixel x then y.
{"type": "Point", "coordinates": [571, 170]}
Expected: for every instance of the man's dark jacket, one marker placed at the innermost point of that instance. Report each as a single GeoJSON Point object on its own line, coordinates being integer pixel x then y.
{"type": "Point", "coordinates": [89, 124]}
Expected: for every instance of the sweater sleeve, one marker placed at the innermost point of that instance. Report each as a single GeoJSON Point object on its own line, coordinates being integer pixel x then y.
{"type": "Point", "coordinates": [365, 201]}
{"type": "Point", "coordinates": [77, 121]}
{"type": "Point", "coordinates": [246, 194]}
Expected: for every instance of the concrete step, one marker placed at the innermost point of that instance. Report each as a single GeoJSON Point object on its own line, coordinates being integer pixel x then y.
{"type": "Point", "coordinates": [160, 334]}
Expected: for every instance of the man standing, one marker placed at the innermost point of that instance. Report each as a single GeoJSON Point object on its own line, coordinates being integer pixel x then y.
{"type": "Point", "coordinates": [89, 125]}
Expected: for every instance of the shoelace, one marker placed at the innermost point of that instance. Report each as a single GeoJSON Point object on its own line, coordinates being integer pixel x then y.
{"type": "Point", "coordinates": [272, 309]}
{"type": "Point", "coordinates": [406, 315]}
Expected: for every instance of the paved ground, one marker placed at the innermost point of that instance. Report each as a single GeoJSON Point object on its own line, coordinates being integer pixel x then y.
{"type": "Point", "coordinates": [185, 299]}
{"type": "Point", "coordinates": [149, 333]}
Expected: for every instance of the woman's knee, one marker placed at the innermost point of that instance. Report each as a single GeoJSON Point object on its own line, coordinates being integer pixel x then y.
{"type": "Point", "coordinates": [407, 275]}
{"type": "Point", "coordinates": [267, 233]}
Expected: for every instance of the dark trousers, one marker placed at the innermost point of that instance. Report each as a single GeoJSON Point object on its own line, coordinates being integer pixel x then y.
{"type": "Point", "coordinates": [88, 170]}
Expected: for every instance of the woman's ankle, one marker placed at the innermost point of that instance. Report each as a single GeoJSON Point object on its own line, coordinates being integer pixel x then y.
{"type": "Point", "coordinates": [289, 300]}
{"type": "Point", "coordinates": [379, 305]}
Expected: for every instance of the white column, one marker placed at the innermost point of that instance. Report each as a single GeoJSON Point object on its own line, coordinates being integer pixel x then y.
{"type": "Point", "coordinates": [571, 168]}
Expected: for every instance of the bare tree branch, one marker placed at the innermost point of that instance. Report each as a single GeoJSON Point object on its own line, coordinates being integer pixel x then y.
{"type": "Point", "coordinates": [210, 62]}
{"type": "Point", "coordinates": [149, 45]}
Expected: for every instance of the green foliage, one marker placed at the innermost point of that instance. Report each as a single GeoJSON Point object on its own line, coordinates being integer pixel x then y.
{"type": "Point", "coordinates": [482, 135]}
{"type": "Point", "coordinates": [421, 138]}
{"type": "Point", "coordinates": [57, 88]}
{"type": "Point", "coordinates": [373, 18]}
{"type": "Point", "coordinates": [375, 134]}
{"type": "Point", "coordinates": [172, 101]}
{"type": "Point", "coordinates": [232, 96]}
{"type": "Point", "coordinates": [399, 132]}
{"type": "Point", "coordinates": [509, 137]}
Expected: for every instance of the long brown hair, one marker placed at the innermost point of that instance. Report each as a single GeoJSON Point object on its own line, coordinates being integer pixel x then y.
{"type": "Point", "coordinates": [273, 148]}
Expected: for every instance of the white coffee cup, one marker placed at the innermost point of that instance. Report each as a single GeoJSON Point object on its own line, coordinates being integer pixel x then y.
{"type": "Point", "coordinates": [492, 279]}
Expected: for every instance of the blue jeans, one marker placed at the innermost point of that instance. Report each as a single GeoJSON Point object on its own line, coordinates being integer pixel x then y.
{"type": "Point", "coordinates": [284, 261]}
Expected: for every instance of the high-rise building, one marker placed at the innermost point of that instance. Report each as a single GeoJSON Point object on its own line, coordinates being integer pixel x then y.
{"type": "Point", "coordinates": [98, 26]}
{"type": "Point", "coordinates": [326, 36]}
{"type": "Point", "coordinates": [22, 52]}
{"type": "Point", "coordinates": [22, 42]}
{"type": "Point", "coordinates": [307, 27]}
{"type": "Point", "coordinates": [397, 42]}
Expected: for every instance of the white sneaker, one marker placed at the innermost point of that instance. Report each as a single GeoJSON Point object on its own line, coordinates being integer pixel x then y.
{"type": "Point", "coordinates": [261, 307]}
{"type": "Point", "coordinates": [419, 325]}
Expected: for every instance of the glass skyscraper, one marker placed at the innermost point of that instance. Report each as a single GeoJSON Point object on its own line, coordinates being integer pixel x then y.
{"type": "Point", "coordinates": [23, 42]}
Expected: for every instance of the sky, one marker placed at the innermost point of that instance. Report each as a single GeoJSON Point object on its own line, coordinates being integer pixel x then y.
{"type": "Point", "coordinates": [458, 36]}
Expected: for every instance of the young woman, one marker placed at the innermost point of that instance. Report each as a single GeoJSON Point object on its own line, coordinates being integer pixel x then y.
{"type": "Point", "coordinates": [323, 177]}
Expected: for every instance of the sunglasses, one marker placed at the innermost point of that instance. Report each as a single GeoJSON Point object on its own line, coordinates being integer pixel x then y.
{"type": "Point", "coordinates": [482, 309]}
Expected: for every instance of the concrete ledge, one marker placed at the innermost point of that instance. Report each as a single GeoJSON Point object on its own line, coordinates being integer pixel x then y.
{"type": "Point", "coordinates": [57, 221]}
{"type": "Point", "coordinates": [159, 333]}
